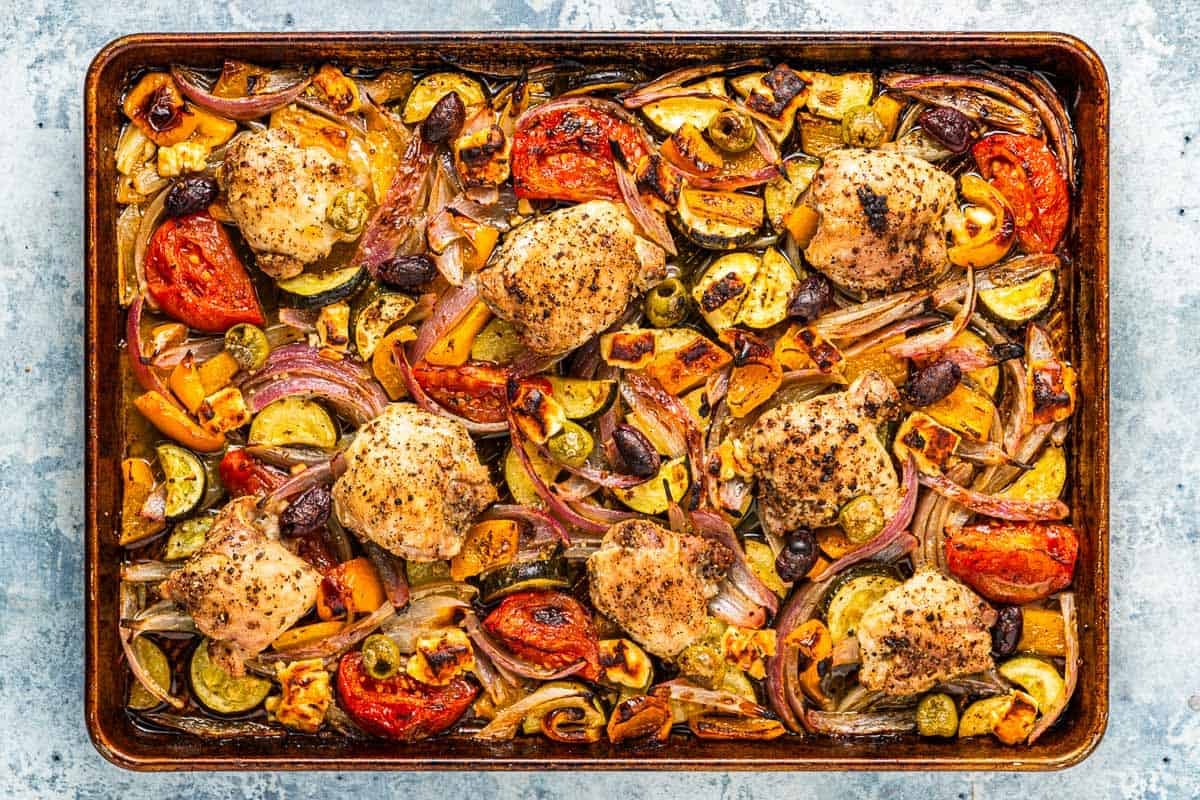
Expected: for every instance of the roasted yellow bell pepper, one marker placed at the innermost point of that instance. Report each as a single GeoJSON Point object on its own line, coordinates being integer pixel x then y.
{"type": "Point", "coordinates": [985, 230]}
{"type": "Point", "coordinates": [385, 366]}
{"type": "Point", "coordinates": [157, 107]}
{"type": "Point", "coordinates": [454, 348]}
{"type": "Point", "coordinates": [218, 371]}
{"type": "Point", "coordinates": [138, 483]}
{"type": "Point", "coordinates": [173, 423]}
{"type": "Point", "coordinates": [186, 384]}
{"type": "Point", "coordinates": [352, 587]}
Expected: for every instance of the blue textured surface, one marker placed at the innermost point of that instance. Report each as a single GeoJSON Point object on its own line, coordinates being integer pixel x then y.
{"type": "Point", "coordinates": [1152, 50]}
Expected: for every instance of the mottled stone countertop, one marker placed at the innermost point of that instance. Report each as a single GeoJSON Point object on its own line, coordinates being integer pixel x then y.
{"type": "Point", "coordinates": [1152, 50]}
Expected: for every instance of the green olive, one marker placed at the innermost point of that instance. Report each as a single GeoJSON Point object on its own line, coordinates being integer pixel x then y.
{"type": "Point", "coordinates": [861, 519]}
{"type": "Point", "coordinates": [380, 656]}
{"type": "Point", "coordinates": [348, 211]}
{"type": "Point", "coordinates": [703, 664]}
{"type": "Point", "coordinates": [937, 716]}
{"type": "Point", "coordinates": [731, 131]}
{"type": "Point", "coordinates": [571, 445]}
{"type": "Point", "coordinates": [862, 127]}
{"type": "Point", "coordinates": [248, 345]}
{"type": "Point", "coordinates": [667, 303]}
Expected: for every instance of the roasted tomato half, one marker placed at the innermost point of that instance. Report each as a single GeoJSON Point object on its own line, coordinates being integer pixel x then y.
{"type": "Point", "coordinates": [400, 707]}
{"type": "Point", "coordinates": [194, 275]}
{"type": "Point", "coordinates": [1014, 562]}
{"type": "Point", "coordinates": [564, 151]}
{"type": "Point", "coordinates": [550, 629]}
{"type": "Point", "coordinates": [1024, 170]}
{"type": "Point", "coordinates": [242, 474]}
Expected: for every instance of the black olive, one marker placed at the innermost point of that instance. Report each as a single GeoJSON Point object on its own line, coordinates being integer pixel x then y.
{"type": "Point", "coordinates": [812, 295]}
{"type": "Point", "coordinates": [641, 459]}
{"type": "Point", "coordinates": [307, 513]}
{"type": "Point", "coordinates": [190, 195]}
{"type": "Point", "coordinates": [798, 555]}
{"type": "Point", "coordinates": [949, 127]}
{"type": "Point", "coordinates": [445, 120]}
{"type": "Point", "coordinates": [932, 383]}
{"type": "Point", "coordinates": [406, 272]}
{"type": "Point", "coordinates": [1006, 633]}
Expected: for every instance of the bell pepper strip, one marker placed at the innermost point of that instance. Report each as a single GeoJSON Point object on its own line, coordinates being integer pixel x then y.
{"type": "Point", "coordinates": [550, 629]}
{"type": "Point", "coordinates": [304, 635]}
{"type": "Point", "coordinates": [453, 349]}
{"type": "Point", "coordinates": [186, 385]}
{"type": "Point", "coordinates": [138, 483]}
{"type": "Point", "coordinates": [384, 365]}
{"type": "Point", "coordinates": [562, 150]}
{"type": "Point", "coordinates": [1013, 562]}
{"type": "Point", "coordinates": [172, 422]}
{"type": "Point", "coordinates": [1026, 173]}
{"type": "Point", "coordinates": [1049, 381]}
{"type": "Point", "coordinates": [400, 708]}
{"type": "Point", "coordinates": [985, 230]}
{"type": "Point", "coordinates": [243, 474]}
{"type": "Point", "coordinates": [194, 275]}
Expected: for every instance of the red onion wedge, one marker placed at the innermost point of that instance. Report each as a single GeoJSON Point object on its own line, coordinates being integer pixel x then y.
{"type": "Point", "coordinates": [647, 219]}
{"type": "Point", "coordinates": [239, 108]}
{"type": "Point", "coordinates": [1066, 603]}
{"type": "Point", "coordinates": [145, 375]}
{"type": "Point", "coordinates": [397, 225]}
{"type": "Point", "coordinates": [448, 311]}
{"type": "Point", "coordinates": [301, 482]}
{"type": "Point", "coordinates": [689, 74]}
{"type": "Point", "coordinates": [1000, 508]}
{"type": "Point", "coordinates": [149, 223]}
{"type": "Point", "coordinates": [391, 572]}
{"type": "Point", "coordinates": [128, 606]}
{"type": "Point", "coordinates": [333, 646]}
{"type": "Point", "coordinates": [711, 525]}
{"type": "Point", "coordinates": [732, 606]}
{"type": "Point", "coordinates": [860, 723]}
{"type": "Point", "coordinates": [931, 342]}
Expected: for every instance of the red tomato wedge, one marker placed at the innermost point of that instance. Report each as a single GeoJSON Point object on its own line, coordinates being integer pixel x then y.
{"type": "Point", "coordinates": [550, 629]}
{"type": "Point", "coordinates": [562, 150]}
{"type": "Point", "coordinates": [399, 707]}
{"type": "Point", "coordinates": [194, 275]}
{"type": "Point", "coordinates": [242, 474]}
{"type": "Point", "coordinates": [1023, 169]}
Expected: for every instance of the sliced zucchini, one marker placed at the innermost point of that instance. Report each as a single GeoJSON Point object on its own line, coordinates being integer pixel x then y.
{"type": "Point", "coordinates": [420, 573]}
{"type": "Point", "coordinates": [719, 220]}
{"type": "Point", "coordinates": [550, 573]}
{"type": "Point", "coordinates": [723, 288]}
{"type": "Point", "coordinates": [155, 662]}
{"type": "Point", "coordinates": [761, 559]}
{"type": "Point", "coordinates": [981, 717]}
{"type": "Point", "coordinates": [1022, 302]}
{"type": "Point", "coordinates": [376, 318]}
{"type": "Point", "coordinates": [651, 497]}
{"type": "Point", "coordinates": [1038, 677]}
{"type": "Point", "coordinates": [432, 88]}
{"type": "Point", "coordinates": [582, 398]}
{"type": "Point", "coordinates": [519, 484]}
{"type": "Point", "coordinates": [856, 571]}
{"type": "Point", "coordinates": [294, 420]}
{"type": "Point", "coordinates": [1044, 482]}
{"type": "Point", "coordinates": [624, 665]}
{"type": "Point", "coordinates": [782, 193]}
{"type": "Point", "coordinates": [187, 538]}
{"type": "Point", "coordinates": [498, 342]}
{"type": "Point", "coordinates": [671, 114]}
{"type": "Point", "coordinates": [851, 601]}
{"type": "Point", "coordinates": [767, 301]}
{"type": "Point", "coordinates": [185, 479]}
{"type": "Point", "coordinates": [221, 692]}
{"type": "Point", "coordinates": [831, 96]}
{"type": "Point", "coordinates": [310, 290]}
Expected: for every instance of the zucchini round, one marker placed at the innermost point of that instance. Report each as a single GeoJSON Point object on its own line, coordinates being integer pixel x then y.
{"type": "Point", "coordinates": [520, 486]}
{"type": "Point", "coordinates": [1021, 302]}
{"type": "Point", "coordinates": [699, 221]}
{"type": "Point", "coordinates": [850, 573]}
{"type": "Point", "coordinates": [294, 420]}
{"type": "Point", "coordinates": [221, 692]}
{"type": "Point", "coordinates": [185, 479]}
{"type": "Point", "coordinates": [581, 398]}
{"type": "Point", "coordinates": [524, 576]}
{"type": "Point", "coordinates": [309, 290]}
{"type": "Point", "coordinates": [1038, 677]}
{"type": "Point", "coordinates": [852, 599]}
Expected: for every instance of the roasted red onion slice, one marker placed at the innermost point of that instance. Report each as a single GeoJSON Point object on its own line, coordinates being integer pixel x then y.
{"type": "Point", "coordinates": [648, 220]}
{"type": "Point", "coordinates": [448, 311]}
{"type": "Point", "coordinates": [1066, 603]}
{"type": "Point", "coordinates": [128, 606]}
{"type": "Point", "coordinates": [333, 646]}
{"type": "Point", "coordinates": [998, 507]}
{"type": "Point", "coordinates": [239, 108]}
{"type": "Point", "coordinates": [145, 375]}
{"type": "Point", "coordinates": [397, 227]}
{"type": "Point", "coordinates": [931, 342]}
{"type": "Point", "coordinates": [556, 503]}
{"type": "Point", "coordinates": [860, 723]}
{"type": "Point", "coordinates": [507, 661]}
{"type": "Point", "coordinates": [544, 525]}
{"type": "Point", "coordinates": [427, 403]}
{"type": "Point", "coordinates": [711, 525]}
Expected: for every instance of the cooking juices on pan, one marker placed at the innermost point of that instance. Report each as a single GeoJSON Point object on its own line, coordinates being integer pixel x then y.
{"type": "Point", "coordinates": [596, 405]}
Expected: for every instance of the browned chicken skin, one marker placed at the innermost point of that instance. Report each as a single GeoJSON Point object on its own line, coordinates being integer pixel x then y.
{"type": "Point", "coordinates": [882, 222]}
{"type": "Point", "coordinates": [656, 583]}
{"type": "Point", "coordinates": [812, 457]}
{"type": "Point", "coordinates": [243, 588]}
{"type": "Point", "coordinates": [564, 277]}
{"type": "Point", "coordinates": [929, 629]}
{"type": "Point", "coordinates": [279, 193]}
{"type": "Point", "coordinates": [413, 484]}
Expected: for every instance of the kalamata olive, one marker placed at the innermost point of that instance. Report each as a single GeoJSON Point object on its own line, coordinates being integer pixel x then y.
{"type": "Point", "coordinates": [950, 127]}
{"type": "Point", "coordinates": [812, 295]}
{"type": "Point", "coordinates": [1006, 633]}
{"type": "Point", "coordinates": [445, 120]}
{"type": "Point", "coordinates": [641, 459]}
{"type": "Point", "coordinates": [406, 272]}
{"type": "Point", "coordinates": [190, 195]}
{"type": "Point", "coordinates": [798, 555]}
{"type": "Point", "coordinates": [932, 383]}
{"type": "Point", "coordinates": [1006, 351]}
{"type": "Point", "coordinates": [307, 513]}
